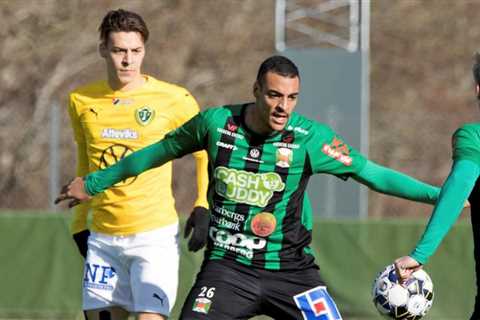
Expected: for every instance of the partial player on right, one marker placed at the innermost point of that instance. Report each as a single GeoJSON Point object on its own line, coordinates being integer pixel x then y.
{"type": "Point", "coordinates": [461, 184]}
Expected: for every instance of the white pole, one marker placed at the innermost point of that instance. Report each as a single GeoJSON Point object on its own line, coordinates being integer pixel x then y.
{"type": "Point", "coordinates": [54, 151]}
{"type": "Point", "coordinates": [365, 94]}
{"type": "Point", "coordinates": [280, 8]}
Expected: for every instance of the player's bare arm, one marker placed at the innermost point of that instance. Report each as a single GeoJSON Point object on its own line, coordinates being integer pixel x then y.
{"type": "Point", "coordinates": [75, 191]}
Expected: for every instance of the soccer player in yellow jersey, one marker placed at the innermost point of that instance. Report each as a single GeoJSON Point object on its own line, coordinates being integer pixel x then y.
{"type": "Point", "coordinates": [132, 255]}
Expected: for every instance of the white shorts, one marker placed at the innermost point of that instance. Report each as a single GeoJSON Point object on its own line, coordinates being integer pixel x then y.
{"type": "Point", "coordinates": [138, 272]}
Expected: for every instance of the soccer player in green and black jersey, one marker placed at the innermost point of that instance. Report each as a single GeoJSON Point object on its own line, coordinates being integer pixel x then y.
{"type": "Point", "coordinates": [261, 155]}
{"type": "Point", "coordinates": [461, 184]}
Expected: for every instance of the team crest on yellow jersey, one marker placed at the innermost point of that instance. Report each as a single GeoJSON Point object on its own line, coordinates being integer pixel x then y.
{"type": "Point", "coordinates": [144, 115]}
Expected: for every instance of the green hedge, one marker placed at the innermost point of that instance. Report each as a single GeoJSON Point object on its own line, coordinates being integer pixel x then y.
{"type": "Point", "coordinates": [41, 268]}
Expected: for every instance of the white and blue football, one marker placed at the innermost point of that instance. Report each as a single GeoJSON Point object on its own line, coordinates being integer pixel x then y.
{"type": "Point", "coordinates": [410, 300]}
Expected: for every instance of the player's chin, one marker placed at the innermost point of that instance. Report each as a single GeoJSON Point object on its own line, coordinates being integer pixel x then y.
{"type": "Point", "coordinates": [126, 77]}
{"type": "Point", "coordinates": [278, 125]}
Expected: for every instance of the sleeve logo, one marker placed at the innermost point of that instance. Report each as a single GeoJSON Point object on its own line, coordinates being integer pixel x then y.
{"type": "Point", "coordinates": [338, 150]}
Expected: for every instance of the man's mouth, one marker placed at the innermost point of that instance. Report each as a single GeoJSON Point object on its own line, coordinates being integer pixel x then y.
{"type": "Point", "coordinates": [280, 118]}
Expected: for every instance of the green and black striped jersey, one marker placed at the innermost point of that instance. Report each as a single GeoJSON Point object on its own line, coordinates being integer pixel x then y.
{"type": "Point", "coordinates": [260, 213]}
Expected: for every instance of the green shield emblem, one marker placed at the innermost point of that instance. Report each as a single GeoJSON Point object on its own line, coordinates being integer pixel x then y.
{"type": "Point", "coordinates": [144, 115]}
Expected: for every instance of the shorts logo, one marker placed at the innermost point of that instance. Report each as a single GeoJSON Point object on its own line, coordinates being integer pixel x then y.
{"type": "Point", "coordinates": [144, 115]}
{"type": "Point", "coordinates": [202, 305]}
{"type": "Point", "coordinates": [98, 277]}
{"type": "Point", "coordinates": [316, 304]}
{"type": "Point", "coordinates": [202, 302]}
{"type": "Point", "coordinates": [338, 150]}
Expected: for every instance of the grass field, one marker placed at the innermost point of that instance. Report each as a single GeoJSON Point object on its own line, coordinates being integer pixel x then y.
{"type": "Point", "coordinates": [42, 270]}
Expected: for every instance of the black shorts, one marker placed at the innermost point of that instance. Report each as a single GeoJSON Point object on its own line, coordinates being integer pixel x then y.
{"type": "Point", "coordinates": [226, 290]}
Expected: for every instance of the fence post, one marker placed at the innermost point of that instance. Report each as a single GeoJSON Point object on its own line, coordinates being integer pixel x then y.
{"type": "Point", "coordinates": [54, 150]}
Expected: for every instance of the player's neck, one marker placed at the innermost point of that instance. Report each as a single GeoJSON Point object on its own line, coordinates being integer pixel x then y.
{"type": "Point", "coordinates": [136, 83]}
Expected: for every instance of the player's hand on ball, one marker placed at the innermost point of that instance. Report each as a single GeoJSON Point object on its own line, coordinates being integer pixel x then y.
{"type": "Point", "coordinates": [199, 222]}
{"type": "Point", "coordinates": [74, 191]}
{"type": "Point", "coordinates": [405, 266]}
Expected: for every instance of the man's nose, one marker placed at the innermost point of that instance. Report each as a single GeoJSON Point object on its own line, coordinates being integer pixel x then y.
{"type": "Point", "coordinates": [282, 104]}
{"type": "Point", "coordinates": [127, 59]}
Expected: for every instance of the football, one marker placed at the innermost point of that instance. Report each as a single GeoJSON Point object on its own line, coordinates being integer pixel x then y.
{"type": "Point", "coordinates": [409, 301]}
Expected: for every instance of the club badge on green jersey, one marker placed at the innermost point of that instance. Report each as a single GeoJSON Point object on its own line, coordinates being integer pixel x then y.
{"type": "Point", "coordinates": [144, 115]}
{"type": "Point", "coordinates": [284, 157]}
{"type": "Point", "coordinates": [247, 187]}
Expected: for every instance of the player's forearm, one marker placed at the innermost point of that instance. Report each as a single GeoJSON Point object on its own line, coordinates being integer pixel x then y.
{"type": "Point", "coordinates": [455, 191]}
{"type": "Point", "coordinates": [201, 161]}
{"type": "Point", "coordinates": [147, 158]}
{"type": "Point", "coordinates": [391, 182]}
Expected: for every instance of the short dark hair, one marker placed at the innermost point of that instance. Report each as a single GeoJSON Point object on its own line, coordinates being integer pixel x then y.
{"type": "Point", "coordinates": [279, 65]}
{"type": "Point", "coordinates": [122, 20]}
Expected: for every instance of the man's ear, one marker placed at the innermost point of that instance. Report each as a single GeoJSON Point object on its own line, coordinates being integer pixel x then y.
{"type": "Point", "coordinates": [256, 89]}
{"type": "Point", "coordinates": [102, 49]}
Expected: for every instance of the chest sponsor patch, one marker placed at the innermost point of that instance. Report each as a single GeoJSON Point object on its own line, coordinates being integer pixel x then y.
{"type": "Point", "coordinates": [247, 187]}
{"type": "Point", "coordinates": [263, 224]}
{"type": "Point", "coordinates": [121, 134]}
{"type": "Point", "coordinates": [231, 132]}
{"type": "Point", "coordinates": [236, 242]}
{"type": "Point", "coordinates": [226, 145]}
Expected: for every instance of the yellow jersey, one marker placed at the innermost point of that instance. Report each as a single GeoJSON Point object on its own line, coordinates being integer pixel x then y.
{"type": "Point", "coordinates": [109, 125]}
